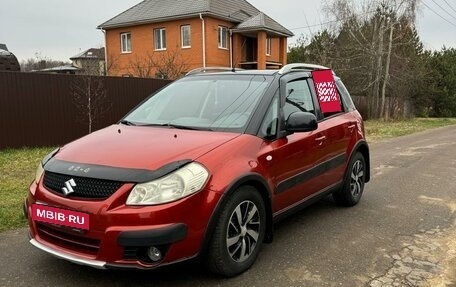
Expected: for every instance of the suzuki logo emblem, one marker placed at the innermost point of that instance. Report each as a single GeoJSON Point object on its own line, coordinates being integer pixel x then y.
{"type": "Point", "coordinates": [68, 188]}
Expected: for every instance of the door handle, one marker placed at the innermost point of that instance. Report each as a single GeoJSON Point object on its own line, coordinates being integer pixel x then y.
{"type": "Point", "coordinates": [320, 140]}
{"type": "Point", "coordinates": [352, 127]}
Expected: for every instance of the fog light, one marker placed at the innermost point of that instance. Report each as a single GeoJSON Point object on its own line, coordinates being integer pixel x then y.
{"type": "Point", "coordinates": [154, 254]}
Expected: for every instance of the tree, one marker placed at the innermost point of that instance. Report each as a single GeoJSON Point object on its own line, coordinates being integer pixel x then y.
{"type": "Point", "coordinates": [90, 98]}
{"type": "Point", "coordinates": [374, 46]}
{"type": "Point", "coordinates": [142, 67]}
{"type": "Point", "coordinates": [40, 62]}
{"type": "Point", "coordinates": [319, 50]}
{"type": "Point", "coordinates": [111, 62]}
{"type": "Point", "coordinates": [371, 52]}
{"type": "Point", "coordinates": [297, 52]}
{"type": "Point", "coordinates": [165, 65]}
{"type": "Point", "coordinates": [437, 96]}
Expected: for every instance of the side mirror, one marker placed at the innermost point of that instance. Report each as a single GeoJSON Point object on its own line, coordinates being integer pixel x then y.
{"type": "Point", "coordinates": [301, 122]}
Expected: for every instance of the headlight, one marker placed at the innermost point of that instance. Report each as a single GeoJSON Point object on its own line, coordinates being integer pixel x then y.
{"type": "Point", "coordinates": [39, 172]}
{"type": "Point", "coordinates": [176, 185]}
{"type": "Point", "coordinates": [40, 169]}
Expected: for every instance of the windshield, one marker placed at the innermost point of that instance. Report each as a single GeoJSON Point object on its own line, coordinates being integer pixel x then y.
{"type": "Point", "coordinates": [223, 103]}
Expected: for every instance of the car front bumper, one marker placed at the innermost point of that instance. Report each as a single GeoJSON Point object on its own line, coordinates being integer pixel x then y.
{"type": "Point", "coordinates": [72, 258]}
{"type": "Point", "coordinates": [120, 235]}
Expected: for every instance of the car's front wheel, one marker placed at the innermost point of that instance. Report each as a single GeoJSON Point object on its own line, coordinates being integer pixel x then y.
{"type": "Point", "coordinates": [352, 190]}
{"type": "Point", "coordinates": [238, 234]}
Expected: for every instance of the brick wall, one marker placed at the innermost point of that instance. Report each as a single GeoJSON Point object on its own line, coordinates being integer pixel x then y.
{"type": "Point", "coordinates": [142, 44]}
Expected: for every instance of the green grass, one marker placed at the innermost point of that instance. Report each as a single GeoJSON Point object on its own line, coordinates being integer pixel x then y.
{"type": "Point", "coordinates": [17, 170]}
{"type": "Point", "coordinates": [377, 130]}
{"type": "Point", "coordinates": [18, 166]}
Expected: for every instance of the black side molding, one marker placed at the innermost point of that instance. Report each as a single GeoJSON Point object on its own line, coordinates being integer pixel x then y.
{"type": "Point", "coordinates": [311, 173]}
{"type": "Point", "coordinates": [307, 201]}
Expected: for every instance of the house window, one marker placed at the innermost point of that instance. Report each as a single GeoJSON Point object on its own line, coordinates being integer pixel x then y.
{"type": "Point", "coordinates": [268, 46]}
{"type": "Point", "coordinates": [185, 36]}
{"type": "Point", "coordinates": [125, 42]}
{"type": "Point", "coordinates": [222, 37]}
{"type": "Point", "coordinates": [160, 39]}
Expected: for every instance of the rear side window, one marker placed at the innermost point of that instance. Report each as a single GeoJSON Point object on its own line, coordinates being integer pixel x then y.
{"type": "Point", "coordinates": [347, 100]}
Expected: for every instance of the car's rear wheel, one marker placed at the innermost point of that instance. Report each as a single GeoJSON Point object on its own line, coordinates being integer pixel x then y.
{"type": "Point", "coordinates": [238, 234]}
{"type": "Point", "coordinates": [352, 190]}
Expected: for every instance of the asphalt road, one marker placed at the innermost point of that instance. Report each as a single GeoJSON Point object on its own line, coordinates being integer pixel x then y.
{"type": "Point", "coordinates": [403, 233]}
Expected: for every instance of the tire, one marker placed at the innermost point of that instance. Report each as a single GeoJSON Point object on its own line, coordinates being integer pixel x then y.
{"type": "Point", "coordinates": [235, 245]}
{"type": "Point", "coordinates": [352, 190]}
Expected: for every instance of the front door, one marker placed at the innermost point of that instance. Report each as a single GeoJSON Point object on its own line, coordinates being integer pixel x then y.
{"type": "Point", "coordinates": [295, 158]}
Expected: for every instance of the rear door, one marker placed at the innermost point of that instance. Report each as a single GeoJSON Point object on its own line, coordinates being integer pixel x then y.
{"type": "Point", "coordinates": [340, 137]}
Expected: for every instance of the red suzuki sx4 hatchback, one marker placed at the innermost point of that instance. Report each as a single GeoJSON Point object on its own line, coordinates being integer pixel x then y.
{"type": "Point", "coordinates": [203, 167]}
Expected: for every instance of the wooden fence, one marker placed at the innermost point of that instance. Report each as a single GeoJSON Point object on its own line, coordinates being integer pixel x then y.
{"type": "Point", "coordinates": [47, 109]}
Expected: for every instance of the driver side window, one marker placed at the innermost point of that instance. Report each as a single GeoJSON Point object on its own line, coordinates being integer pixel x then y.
{"type": "Point", "coordinates": [298, 98]}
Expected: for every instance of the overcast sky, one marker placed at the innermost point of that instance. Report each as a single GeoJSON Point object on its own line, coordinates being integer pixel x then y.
{"type": "Point", "coordinates": [59, 29]}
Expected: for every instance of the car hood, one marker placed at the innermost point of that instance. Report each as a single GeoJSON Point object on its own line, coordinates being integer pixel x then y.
{"type": "Point", "coordinates": [141, 147]}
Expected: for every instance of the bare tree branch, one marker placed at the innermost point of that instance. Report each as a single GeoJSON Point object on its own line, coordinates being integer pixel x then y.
{"type": "Point", "coordinates": [166, 65]}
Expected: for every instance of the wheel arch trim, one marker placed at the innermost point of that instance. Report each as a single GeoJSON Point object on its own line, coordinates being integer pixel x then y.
{"type": "Point", "coordinates": [252, 179]}
{"type": "Point", "coordinates": [362, 147]}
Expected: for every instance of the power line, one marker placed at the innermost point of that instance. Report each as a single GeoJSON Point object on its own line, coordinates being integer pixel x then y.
{"type": "Point", "coordinates": [331, 22]}
{"type": "Point", "coordinates": [438, 14]}
{"type": "Point", "coordinates": [450, 6]}
{"type": "Point", "coordinates": [443, 9]}
{"type": "Point", "coordinates": [335, 21]}
{"type": "Point", "coordinates": [314, 25]}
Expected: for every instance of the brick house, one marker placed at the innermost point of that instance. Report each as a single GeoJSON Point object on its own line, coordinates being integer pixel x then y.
{"type": "Point", "coordinates": [197, 33]}
{"type": "Point", "coordinates": [90, 62]}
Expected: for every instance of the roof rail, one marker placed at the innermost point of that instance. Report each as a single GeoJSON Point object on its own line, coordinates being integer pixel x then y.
{"type": "Point", "coordinates": [301, 66]}
{"type": "Point", "coordinates": [212, 70]}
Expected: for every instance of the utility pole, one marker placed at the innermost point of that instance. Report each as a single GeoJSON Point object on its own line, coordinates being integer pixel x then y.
{"type": "Point", "coordinates": [384, 113]}
{"type": "Point", "coordinates": [379, 66]}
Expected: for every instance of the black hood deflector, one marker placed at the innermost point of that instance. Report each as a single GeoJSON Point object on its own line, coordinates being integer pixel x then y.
{"type": "Point", "coordinates": [111, 173]}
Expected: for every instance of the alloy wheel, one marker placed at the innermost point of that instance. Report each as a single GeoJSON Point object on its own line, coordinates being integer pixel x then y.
{"type": "Point", "coordinates": [357, 179]}
{"type": "Point", "coordinates": [243, 231]}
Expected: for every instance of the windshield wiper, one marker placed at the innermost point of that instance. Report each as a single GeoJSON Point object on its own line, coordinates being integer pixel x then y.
{"type": "Point", "coordinates": [181, 127]}
{"type": "Point", "coordinates": [127, 123]}
{"type": "Point", "coordinates": [189, 128]}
